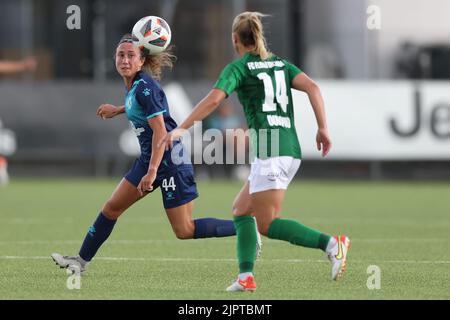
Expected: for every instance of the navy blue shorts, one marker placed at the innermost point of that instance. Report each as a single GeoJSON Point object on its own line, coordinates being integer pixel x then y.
{"type": "Point", "coordinates": [177, 185]}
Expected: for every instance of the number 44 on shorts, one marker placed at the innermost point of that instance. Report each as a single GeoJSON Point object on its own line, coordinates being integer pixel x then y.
{"type": "Point", "coordinates": [171, 184]}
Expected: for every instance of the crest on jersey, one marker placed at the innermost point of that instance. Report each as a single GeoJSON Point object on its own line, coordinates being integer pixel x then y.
{"type": "Point", "coordinates": [146, 92]}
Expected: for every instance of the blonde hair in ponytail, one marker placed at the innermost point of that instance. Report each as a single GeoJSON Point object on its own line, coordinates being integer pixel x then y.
{"type": "Point", "coordinates": [249, 29]}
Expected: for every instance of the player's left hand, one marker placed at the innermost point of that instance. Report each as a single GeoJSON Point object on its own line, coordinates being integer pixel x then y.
{"type": "Point", "coordinates": [107, 111]}
{"type": "Point", "coordinates": [170, 137]}
{"type": "Point", "coordinates": [323, 141]}
{"type": "Point", "coordinates": [146, 184]}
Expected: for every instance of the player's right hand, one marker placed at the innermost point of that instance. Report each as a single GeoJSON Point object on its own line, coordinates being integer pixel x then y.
{"type": "Point", "coordinates": [170, 137]}
{"type": "Point", "coordinates": [107, 111]}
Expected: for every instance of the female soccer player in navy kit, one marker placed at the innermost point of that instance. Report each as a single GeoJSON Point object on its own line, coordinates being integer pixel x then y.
{"type": "Point", "coordinates": [147, 109]}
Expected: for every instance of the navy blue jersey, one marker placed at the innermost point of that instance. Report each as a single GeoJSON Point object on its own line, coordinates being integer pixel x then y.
{"type": "Point", "coordinates": [146, 100]}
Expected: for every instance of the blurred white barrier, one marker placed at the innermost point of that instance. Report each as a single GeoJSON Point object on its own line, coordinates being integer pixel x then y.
{"type": "Point", "coordinates": [8, 143]}
{"type": "Point", "coordinates": [386, 120]}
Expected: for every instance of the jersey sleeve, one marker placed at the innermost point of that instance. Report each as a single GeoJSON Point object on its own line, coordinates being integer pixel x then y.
{"type": "Point", "coordinates": [292, 70]}
{"type": "Point", "coordinates": [151, 99]}
{"type": "Point", "coordinates": [229, 79]}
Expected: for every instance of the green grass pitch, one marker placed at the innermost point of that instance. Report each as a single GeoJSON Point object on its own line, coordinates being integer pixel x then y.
{"type": "Point", "coordinates": [403, 228]}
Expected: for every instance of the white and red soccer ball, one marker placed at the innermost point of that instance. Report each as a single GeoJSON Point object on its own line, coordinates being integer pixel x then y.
{"type": "Point", "coordinates": [152, 33]}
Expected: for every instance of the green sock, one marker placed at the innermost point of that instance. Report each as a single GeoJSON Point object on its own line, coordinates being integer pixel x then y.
{"type": "Point", "coordinates": [246, 242]}
{"type": "Point", "coordinates": [298, 234]}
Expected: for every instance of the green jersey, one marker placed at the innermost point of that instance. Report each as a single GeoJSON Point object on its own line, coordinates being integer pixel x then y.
{"type": "Point", "coordinates": [264, 90]}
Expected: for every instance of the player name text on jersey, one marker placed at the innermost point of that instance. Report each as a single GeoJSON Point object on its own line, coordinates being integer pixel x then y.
{"type": "Point", "coordinates": [275, 120]}
{"type": "Point", "coordinates": [264, 64]}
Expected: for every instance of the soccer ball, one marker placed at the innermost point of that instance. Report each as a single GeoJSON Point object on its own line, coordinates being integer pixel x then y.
{"type": "Point", "coordinates": [152, 33]}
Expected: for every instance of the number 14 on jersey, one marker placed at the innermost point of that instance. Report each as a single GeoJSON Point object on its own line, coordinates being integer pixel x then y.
{"type": "Point", "coordinates": [280, 93]}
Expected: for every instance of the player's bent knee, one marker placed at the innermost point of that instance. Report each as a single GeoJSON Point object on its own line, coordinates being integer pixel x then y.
{"type": "Point", "coordinates": [111, 215]}
{"type": "Point", "coordinates": [263, 227]}
{"type": "Point", "coordinates": [241, 211]}
{"type": "Point", "coordinates": [111, 210]}
{"type": "Point", "coordinates": [264, 230]}
{"type": "Point", "coordinates": [184, 232]}
{"type": "Point", "coordinates": [236, 212]}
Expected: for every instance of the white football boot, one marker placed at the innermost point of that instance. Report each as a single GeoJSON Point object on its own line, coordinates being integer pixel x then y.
{"type": "Point", "coordinates": [338, 256]}
{"type": "Point", "coordinates": [74, 263]}
{"type": "Point", "coordinates": [247, 284]}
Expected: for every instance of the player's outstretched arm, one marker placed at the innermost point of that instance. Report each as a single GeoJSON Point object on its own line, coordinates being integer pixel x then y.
{"type": "Point", "coordinates": [158, 127]}
{"type": "Point", "coordinates": [11, 67]}
{"type": "Point", "coordinates": [107, 111]}
{"type": "Point", "coordinates": [207, 105]}
{"type": "Point", "coordinates": [304, 83]}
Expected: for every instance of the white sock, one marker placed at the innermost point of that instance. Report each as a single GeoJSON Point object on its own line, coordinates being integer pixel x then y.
{"type": "Point", "coordinates": [243, 276]}
{"type": "Point", "coordinates": [331, 244]}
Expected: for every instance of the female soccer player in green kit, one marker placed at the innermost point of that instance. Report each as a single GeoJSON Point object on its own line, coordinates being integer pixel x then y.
{"type": "Point", "coordinates": [263, 82]}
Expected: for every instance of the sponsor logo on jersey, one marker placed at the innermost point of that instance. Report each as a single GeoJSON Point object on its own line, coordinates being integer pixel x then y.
{"type": "Point", "coordinates": [137, 131]}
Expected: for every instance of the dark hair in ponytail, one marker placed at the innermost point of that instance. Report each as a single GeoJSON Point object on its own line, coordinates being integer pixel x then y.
{"type": "Point", "coordinates": [153, 63]}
